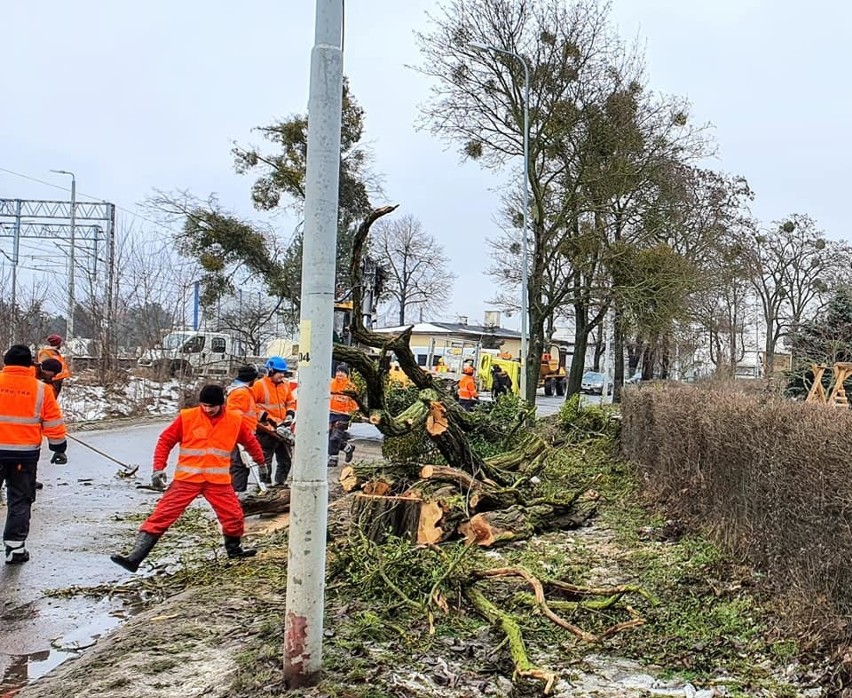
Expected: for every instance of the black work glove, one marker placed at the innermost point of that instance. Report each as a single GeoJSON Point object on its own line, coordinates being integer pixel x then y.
{"type": "Point", "coordinates": [158, 479]}
{"type": "Point", "coordinates": [59, 459]}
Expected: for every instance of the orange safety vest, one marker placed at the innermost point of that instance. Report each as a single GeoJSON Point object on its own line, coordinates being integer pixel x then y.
{"type": "Point", "coordinates": [53, 353]}
{"type": "Point", "coordinates": [206, 445]}
{"type": "Point", "coordinates": [241, 400]}
{"type": "Point", "coordinates": [274, 399]}
{"type": "Point", "coordinates": [27, 411]}
{"type": "Point", "coordinates": [294, 386]}
{"type": "Point", "coordinates": [342, 404]}
{"type": "Point", "coordinates": [467, 388]}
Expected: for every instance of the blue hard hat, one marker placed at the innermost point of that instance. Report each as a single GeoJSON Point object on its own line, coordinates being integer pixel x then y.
{"type": "Point", "coordinates": [276, 363]}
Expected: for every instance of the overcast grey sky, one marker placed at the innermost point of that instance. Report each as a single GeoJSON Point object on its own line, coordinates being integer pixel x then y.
{"type": "Point", "coordinates": [143, 95]}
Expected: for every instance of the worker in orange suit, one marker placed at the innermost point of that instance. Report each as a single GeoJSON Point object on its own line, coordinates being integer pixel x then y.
{"type": "Point", "coordinates": [240, 399]}
{"type": "Point", "coordinates": [341, 408]}
{"type": "Point", "coordinates": [276, 407]}
{"type": "Point", "coordinates": [468, 396]}
{"type": "Point", "coordinates": [28, 412]}
{"type": "Point", "coordinates": [52, 351]}
{"type": "Point", "coordinates": [207, 434]}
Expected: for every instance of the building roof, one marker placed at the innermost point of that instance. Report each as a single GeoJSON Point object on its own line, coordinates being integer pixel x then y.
{"type": "Point", "coordinates": [454, 328]}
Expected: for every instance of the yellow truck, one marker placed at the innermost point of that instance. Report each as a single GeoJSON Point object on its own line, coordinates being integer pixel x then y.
{"type": "Point", "coordinates": [510, 366]}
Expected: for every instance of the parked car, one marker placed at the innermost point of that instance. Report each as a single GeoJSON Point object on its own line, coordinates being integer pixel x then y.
{"type": "Point", "coordinates": [592, 383]}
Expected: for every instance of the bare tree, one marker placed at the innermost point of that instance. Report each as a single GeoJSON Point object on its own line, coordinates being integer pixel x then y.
{"type": "Point", "coordinates": [722, 308]}
{"type": "Point", "coordinates": [29, 317]}
{"type": "Point", "coordinates": [152, 287]}
{"type": "Point", "coordinates": [790, 266]}
{"type": "Point", "coordinates": [597, 136]}
{"type": "Point", "coordinates": [415, 265]}
{"type": "Point", "coordinates": [250, 321]}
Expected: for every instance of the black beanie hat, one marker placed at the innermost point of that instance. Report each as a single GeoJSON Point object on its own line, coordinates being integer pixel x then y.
{"type": "Point", "coordinates": [212, 394]}
{"type": "Point", "coordinates": [51, 365]}
{"type": "Point", "coordinates": [18, 355]}
{"type": "Point", "coordinates": [247, 373]}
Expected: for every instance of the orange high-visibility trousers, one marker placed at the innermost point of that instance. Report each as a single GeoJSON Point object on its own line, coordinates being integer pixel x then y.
{"type": "Point", "coordinates": [180, 495]}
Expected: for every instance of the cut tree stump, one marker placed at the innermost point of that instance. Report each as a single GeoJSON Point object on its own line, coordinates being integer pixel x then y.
{"type": "Point", "coordinates": [377, 487]}
{"type": "Point", "coordinates": [349, 479]}
{"type": "Point", "coordinates": [428, 530]}
{"type": "Point", "coordinates": [275, 500]}
{"type": "Point", "coordinates": [377, 517]}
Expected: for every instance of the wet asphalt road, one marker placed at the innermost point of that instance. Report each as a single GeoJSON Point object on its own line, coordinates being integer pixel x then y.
{"type": "Point", "coordinates": [78, 520]}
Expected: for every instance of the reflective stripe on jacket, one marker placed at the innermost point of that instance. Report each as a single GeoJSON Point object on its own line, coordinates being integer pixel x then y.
{"type": "Point", "coordinates": [205, 447]}
{"type": "Point", "coordinates": [241, 400]}
{"type": "Point", "coordinates": [28, 411]}
{"type": "Point", "coordinates": [53, 353]}
{"type": "Point", "coordinates": [273, 398]}
{"type": "Point", "coordinates": [467, 388]}
{"type": "Point", "coordinates": [342, 404]}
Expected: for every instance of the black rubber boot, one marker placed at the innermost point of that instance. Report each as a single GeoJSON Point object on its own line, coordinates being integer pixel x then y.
{"type": "Point", "coordinates": [143, 545]}
{"type": "Point", "coordinates": [16, 552]}
{"type": "Point", "coordinates": [235, 549]}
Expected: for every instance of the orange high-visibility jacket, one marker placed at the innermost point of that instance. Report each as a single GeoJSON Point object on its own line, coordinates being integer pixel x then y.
{"type": "Point", "coordinates": [274, 399]}
{"type": "Point", "coordinates": [205, 448]}
{"type": "Point", "coordinates": [241, 400]}
{"type": "Point", "coordinates": [28, 410]}
{"type": "Point", "coordinates": [467, 388]}
{"type": "Point", "coordinates": [342, 404]}
{"type": "Point", "coordinates": [49, 352]}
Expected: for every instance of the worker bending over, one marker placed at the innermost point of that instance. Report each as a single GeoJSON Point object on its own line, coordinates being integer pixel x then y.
{"type": "Point", "coordinates": [207, 434]}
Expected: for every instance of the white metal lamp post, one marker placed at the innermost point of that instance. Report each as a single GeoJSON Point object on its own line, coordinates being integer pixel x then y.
{"type": "Point", "coordinates": [69, 330]}
{"type": "Point", "coordinates": [524, 251]}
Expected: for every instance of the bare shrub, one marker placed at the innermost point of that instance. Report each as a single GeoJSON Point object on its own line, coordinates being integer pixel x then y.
{"type": "Point", "coordinates": [769, 478]}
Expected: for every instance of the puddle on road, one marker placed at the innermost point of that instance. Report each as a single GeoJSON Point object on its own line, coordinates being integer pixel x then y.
{"type": "Point", "coordinates": [24, 668]}
{"type": "Point", "coordinates": [19, 670]}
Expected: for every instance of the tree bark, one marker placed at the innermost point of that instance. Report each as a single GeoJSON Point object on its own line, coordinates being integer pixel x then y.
{"type": "Point", "coordinates": [378, 517]}
{"type": "Point", "coordinates": [617, 352]}
{"type": "Point", "coordinates": [274, 501]}
{"type": "Point", "coordinates": [519, 523]}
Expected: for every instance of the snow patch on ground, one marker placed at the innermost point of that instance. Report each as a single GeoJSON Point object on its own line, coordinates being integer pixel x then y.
{"type": "Point", "coordinates": [82, 402]}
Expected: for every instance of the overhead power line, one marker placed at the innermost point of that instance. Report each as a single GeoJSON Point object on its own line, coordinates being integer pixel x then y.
{"type": "Point", "coordinates": [159, 224]}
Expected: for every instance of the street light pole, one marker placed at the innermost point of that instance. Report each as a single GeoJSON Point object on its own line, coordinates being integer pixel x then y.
{"type": "Point", "coordinates": [525, 233]}
{"type": "Point", "coordinates": [303, 634]}
{"type": "Point", "coordinates": [69, 329]}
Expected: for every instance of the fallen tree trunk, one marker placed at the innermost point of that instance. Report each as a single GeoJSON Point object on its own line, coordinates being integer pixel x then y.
{"type": "Point", "coordinates": [519, 523]}
{"type": "Point", "coordinates": [355, 475]}
{"type": "Point", "coordinates": [276, 500]}
{"type": "Point", "coordinates": [481, 494]}
{"type": "Point", "coordinates": [528, 452]}
{"type": "Point", "coordinates": [442, 473]}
